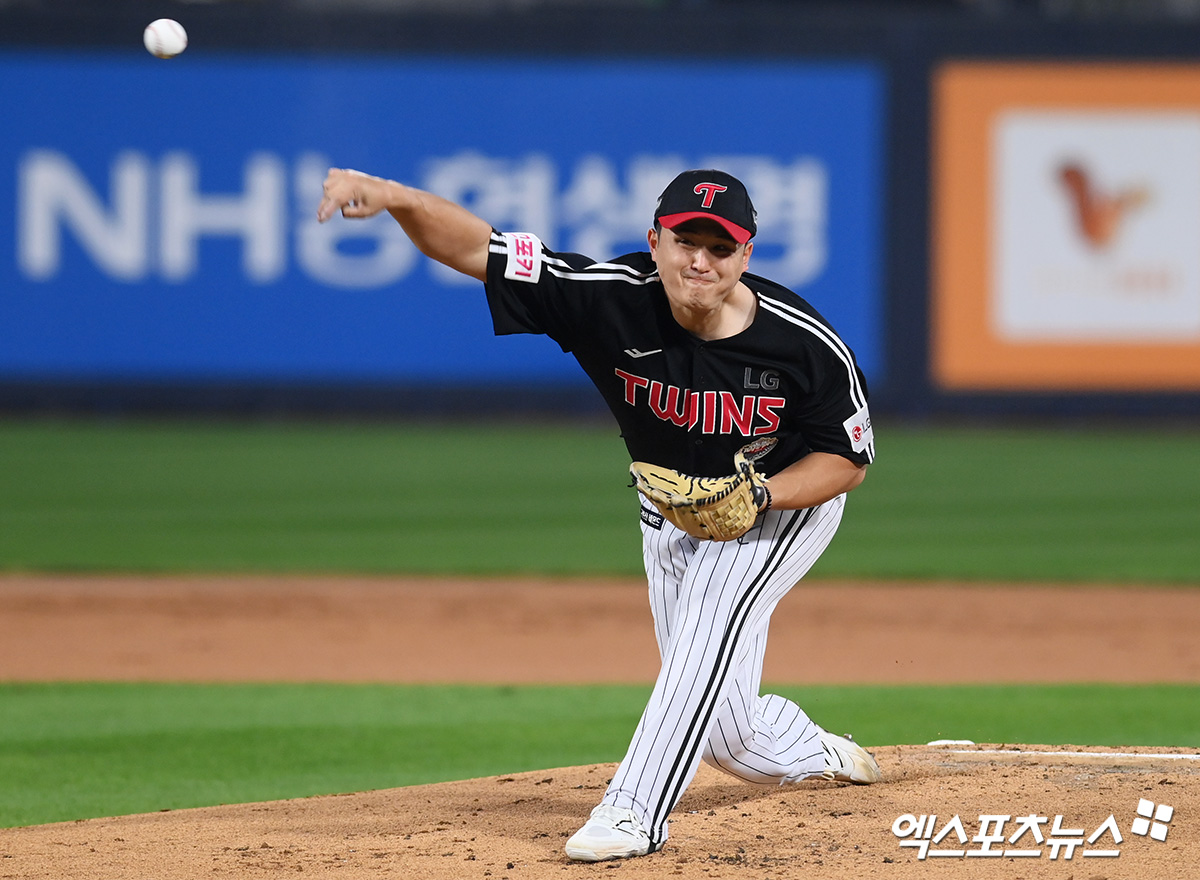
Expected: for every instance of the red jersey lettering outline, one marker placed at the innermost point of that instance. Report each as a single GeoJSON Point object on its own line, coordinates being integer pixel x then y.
{"type": "Point", "coordinates": [669, 410]}
{"type": "Point", "coordinates": [632, 384]}
{"type": "Point", "coordinates": [714, 412]}
{"type": "Point", "coordinates": [766, 410]}
{"type": "Point", "coordinates": [732, 416]}
{"type": "Point", "coordinates": [710, 412]}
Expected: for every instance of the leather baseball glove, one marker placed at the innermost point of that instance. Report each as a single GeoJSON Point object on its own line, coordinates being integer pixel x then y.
{"type": "Point", "coordinates": [716, 508]}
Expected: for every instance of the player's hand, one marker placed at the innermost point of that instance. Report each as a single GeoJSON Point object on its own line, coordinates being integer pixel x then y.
{"type": "Point", "coordinates": [353, 193]}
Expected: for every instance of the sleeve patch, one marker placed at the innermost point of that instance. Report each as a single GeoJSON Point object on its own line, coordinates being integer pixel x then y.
{"type": "Point", "coordinates": [524, 257]}
{"type": "Point", "coordinates": [858, 429]}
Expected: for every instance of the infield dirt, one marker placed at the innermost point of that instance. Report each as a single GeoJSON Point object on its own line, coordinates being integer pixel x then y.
{"type": "Point", "coordinates": [326, 629]}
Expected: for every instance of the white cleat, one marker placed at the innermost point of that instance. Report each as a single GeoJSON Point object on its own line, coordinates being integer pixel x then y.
{"type": "Point", "coordinates": [610, 833]}
{"type": "Point", "coordinates": [847, 761]}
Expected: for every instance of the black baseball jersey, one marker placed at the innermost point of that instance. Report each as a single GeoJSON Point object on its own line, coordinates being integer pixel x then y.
{"type": "Point", "coordinates": [681, 401]}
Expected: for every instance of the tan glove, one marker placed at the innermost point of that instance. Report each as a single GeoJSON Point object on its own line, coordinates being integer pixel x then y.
{"type": "Point", "coordinates": [718, 508]}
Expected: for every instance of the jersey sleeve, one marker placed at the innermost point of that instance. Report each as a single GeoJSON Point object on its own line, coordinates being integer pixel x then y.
{"type": "Point", "coordinates": [529, 288]}
{"type": "Point", "coordinates": [836, 417]}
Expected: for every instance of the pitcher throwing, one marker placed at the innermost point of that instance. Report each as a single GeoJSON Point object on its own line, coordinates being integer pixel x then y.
{"type": "Point", "coordinates": [701, 363]}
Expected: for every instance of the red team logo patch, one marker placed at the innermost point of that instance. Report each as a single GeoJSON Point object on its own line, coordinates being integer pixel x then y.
{"type": "Point", "coordinates": [709, 191]}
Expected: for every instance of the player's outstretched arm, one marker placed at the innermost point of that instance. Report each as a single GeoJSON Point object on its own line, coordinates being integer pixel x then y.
{"type": "Point", "coordinates": [813, 480]}
{"type": "Point", "coordinates": [440, 229]}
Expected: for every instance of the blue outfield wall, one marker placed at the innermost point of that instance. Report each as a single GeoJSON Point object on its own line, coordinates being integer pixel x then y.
{"type": "Point", "coordinates": [158, 250]}
{"type": "Point", "coordinates": [157, 219]}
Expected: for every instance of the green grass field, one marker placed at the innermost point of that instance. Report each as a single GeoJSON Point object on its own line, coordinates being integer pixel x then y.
{"type": "Point", "coordinates": [1071, 505]}
{"type": "Point", "coordinates": [1062, 505]}
{"type": "Point", "coordinates": [74, 750]}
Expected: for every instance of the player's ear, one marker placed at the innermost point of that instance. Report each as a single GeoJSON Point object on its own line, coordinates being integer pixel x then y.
{"type": "Point", "coordinates": [652, 240]}
{"type": "Point", "coordinates": [746, 251]}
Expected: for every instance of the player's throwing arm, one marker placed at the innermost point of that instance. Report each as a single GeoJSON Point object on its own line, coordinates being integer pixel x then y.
{"type": "Point", "coordinates": [440, 229]}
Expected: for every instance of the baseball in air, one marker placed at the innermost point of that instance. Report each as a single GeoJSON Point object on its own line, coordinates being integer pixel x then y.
{"type": "Point", "coordinates": [164, 38]}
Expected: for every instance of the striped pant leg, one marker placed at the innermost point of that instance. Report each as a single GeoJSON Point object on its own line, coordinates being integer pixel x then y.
{"type": "Point", "coordinates": [763, 739]}
{"type": "Point", "coordinates": [767, 739]}
{"type": "Point", "coordinates": [712, 604]}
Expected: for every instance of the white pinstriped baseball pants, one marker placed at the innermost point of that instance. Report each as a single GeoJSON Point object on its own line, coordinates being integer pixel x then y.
{"type": "Point", "coordinates": [712, 604]}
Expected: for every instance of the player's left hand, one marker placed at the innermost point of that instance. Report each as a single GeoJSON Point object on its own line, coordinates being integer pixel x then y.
{"type": "Point", "coordinates": [715, 508]}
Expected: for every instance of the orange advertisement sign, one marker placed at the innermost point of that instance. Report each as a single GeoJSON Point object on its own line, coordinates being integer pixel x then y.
{"type": "Point", "coordinates": [1066, 227]}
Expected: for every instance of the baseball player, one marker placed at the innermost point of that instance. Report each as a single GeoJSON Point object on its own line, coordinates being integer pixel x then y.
{"type": "Point", "coordinates": [732, 385]}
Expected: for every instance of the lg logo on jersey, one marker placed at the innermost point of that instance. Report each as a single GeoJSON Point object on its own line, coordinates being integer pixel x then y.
{"type": "Point", "coordinates": [858, 429]}
{"type": "Point", "coordinates": [714, 412]}
{"type": "Point", "coordinates": [767, 379]}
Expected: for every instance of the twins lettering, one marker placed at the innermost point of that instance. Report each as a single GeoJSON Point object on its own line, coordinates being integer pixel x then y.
{"type": "Point", "coordinates": [713, 412]}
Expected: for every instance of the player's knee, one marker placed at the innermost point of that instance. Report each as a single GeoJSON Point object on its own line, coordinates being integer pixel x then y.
{"type": "Point", "coordinates": [723, 761]}
{"type": "Point", "coordinates": [739, 762]}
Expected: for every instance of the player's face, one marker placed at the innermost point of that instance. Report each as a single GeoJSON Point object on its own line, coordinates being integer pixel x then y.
{"type": "Point", "coordinates": [699, 264]}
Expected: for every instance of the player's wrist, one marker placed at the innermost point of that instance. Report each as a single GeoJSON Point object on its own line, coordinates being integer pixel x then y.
{"type": "Point", "coordinates": [762, 497]}
{"type": "Point", "coordinates": [400, 197]}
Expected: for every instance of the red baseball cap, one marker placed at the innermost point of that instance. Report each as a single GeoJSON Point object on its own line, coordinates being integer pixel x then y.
{"type": "Point", "coordinates": [711, 195]}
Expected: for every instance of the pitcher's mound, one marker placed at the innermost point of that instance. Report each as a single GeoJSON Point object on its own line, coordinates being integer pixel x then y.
{"type": "Point", "coordinates": [1026, 811]}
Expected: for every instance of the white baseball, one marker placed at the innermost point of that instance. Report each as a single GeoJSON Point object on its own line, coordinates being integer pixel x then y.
{"type": "Point", "coordinates": [164, 38]}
